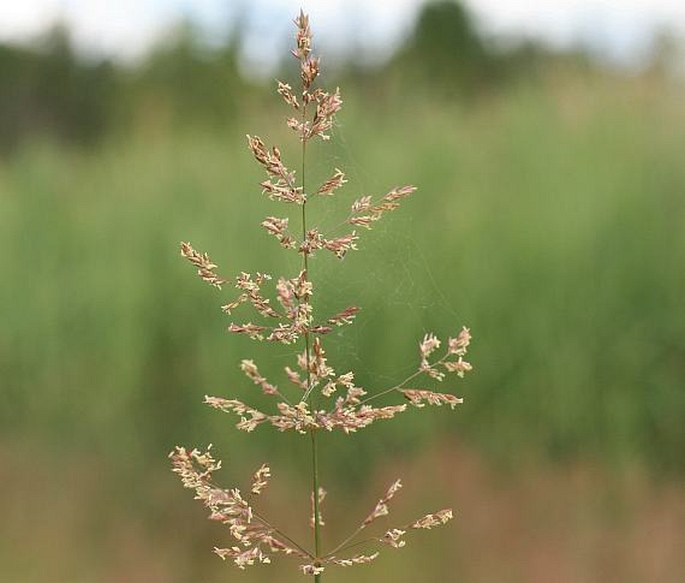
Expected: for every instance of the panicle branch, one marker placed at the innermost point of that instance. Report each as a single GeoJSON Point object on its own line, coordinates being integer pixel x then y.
{"type": "Point", "coordinates": [364, 212]}
{"type": "Point", "coordinates": [205, 267]}
{"type": "Point", "coordinates": [281, 182]}
{"type": "Point", "coordinates": [333, 183]}
{"type": "Point", "coordinates": [252, 372]}
{"type": "Point", "coordinates": [255, 537]}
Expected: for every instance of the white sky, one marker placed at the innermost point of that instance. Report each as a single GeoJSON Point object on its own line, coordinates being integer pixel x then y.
{"type": "Point", "coordinates": [620, 30]}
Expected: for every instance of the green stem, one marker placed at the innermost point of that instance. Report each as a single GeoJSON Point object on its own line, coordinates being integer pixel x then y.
{"type": "Point", "coordinates": [312, 433]}
{"type": "Point", "coordinates": [315, 488]}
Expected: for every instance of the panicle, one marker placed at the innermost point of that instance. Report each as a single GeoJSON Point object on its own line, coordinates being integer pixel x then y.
{"type": "Point", "coordinates": [286, 315]}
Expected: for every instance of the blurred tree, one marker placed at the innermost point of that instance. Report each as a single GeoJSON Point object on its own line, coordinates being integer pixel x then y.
{"type": "Point", "coordinates": [445, 52]}
{"type": "Point", "coordinates": [48, 90]}
{"type": "Point", "coordinates": [188, 82]}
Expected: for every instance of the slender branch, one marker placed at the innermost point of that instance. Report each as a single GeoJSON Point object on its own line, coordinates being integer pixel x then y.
{"type": "Point", "coordinates": [281, 533]}
{"type": "Point", "coordinates": [282, 396]}
{"type": "Point", "coordinates": [343, 544]}
{"type": "Point", "coordinates": [398, 386]}
{"type": "Point", "coordinates": [353, 545]}
{"type": "Point", "coordinates": [391, 389]}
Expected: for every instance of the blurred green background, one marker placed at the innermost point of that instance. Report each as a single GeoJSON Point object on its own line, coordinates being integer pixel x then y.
{"type": "Point", "coordinates": [549, 219]}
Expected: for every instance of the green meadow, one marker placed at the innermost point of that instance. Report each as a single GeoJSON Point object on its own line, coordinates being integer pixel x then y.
{"type": "Point", "coordinates": [549, 219]}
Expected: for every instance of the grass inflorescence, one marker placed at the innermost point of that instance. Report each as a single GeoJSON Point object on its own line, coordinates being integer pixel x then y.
{"type": "Point", "coordinates": [314, 397]}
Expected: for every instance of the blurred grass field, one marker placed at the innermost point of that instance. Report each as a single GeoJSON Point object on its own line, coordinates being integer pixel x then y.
{"type": "Point", "coordinates": [549, 219]}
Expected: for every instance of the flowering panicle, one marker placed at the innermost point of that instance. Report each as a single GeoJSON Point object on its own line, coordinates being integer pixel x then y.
{"type": "Point", "coordinates": [315, 397]}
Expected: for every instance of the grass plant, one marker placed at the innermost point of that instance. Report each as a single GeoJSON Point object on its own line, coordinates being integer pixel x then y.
{"type": "Point", "coordinates": [318, 399]}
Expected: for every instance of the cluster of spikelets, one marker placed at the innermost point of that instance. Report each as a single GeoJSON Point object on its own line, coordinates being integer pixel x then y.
{"type": "Point", "coordinates": [256, 539]}
{"type": "Point", "coordinates": [324, 399]}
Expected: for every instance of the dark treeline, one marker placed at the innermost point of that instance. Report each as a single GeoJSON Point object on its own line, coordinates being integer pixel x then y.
{"type": "Point", "coordinates": [49, 89]}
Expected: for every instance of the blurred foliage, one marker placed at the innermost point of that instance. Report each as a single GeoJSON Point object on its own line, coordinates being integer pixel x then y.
{"type": "Point", "coordinates": [49, 89]}
{"type": "Point", "coordinates": [547, 219]}
{"type": "Point", "coordinates": [445, 53]}
{"type": "Point", "coordinates": [183, 82]}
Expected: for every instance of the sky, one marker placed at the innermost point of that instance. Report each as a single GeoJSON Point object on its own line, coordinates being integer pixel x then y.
{"type": "Point", "coordinates": [619, 31]}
